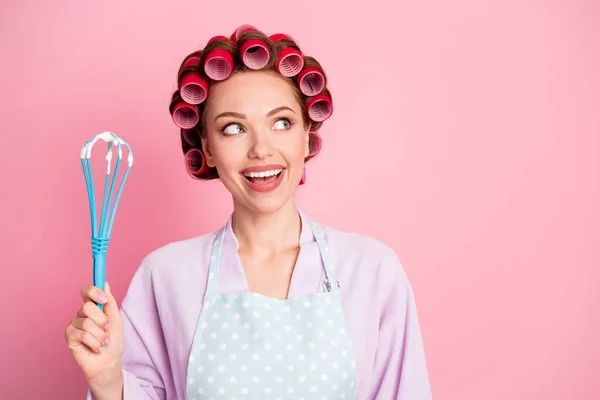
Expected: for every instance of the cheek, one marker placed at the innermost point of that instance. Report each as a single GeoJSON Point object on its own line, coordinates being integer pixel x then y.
{"type": "Point", "coordinates": [294, 148]}
{"type": "Point", "coordinates": [226, 156]}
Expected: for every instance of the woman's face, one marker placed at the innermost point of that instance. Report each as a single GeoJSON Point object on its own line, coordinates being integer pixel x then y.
{"type": "Point", "coordinates": [256, 138]}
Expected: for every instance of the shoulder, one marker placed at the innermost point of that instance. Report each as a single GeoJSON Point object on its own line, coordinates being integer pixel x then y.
{"type": "Point", "coordinates": [184, 250]}
{"type": "Point", "coordinates": [170, 276]}
{"type": "Point", "coordinates": [365, 256]}
{"type": "Point", "coordinates": [167, 264]}
{"type": "Point", "coordinates": [355, 244]}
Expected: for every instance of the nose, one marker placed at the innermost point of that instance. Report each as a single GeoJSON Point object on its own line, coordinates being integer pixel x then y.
{"type": "Point", "coordinates": [260, 145]}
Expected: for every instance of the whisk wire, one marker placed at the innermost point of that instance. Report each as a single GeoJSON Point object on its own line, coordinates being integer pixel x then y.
{"type": "Point", "coordinates": [87, 170]}
{"type": "Point", "coordinates": [118, 198]}
{"type": "Point", "coordinates": [104, 198]}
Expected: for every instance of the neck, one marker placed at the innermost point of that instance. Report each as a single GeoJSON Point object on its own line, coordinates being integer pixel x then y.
{"type": "Point", "coordinates": [267, 232]}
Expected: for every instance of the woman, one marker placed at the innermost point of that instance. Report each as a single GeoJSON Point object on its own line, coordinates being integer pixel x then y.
{"type": "Point", "coordinates": [274, 305]}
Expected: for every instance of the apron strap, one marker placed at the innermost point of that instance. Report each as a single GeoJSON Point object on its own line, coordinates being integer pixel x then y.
{"type": "Point", "coordinates": [212, 286]}
{"type": "Point", "coordinates": [330, 284]}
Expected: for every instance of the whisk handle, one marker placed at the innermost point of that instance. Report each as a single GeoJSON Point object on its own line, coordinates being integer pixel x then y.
{"type": "Point", "coordinates": [99, 246]}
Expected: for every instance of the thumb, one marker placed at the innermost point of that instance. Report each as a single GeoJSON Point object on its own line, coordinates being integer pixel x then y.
{"type": "Point", "coordinates": [111, 308]}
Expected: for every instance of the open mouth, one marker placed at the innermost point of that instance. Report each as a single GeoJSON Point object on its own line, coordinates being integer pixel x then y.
{"type": "Point", "coordinates": [263, 177]}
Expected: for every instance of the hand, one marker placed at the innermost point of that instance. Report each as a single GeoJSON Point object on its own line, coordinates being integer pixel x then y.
{"type": "Point", "coordinates": [95, 338]}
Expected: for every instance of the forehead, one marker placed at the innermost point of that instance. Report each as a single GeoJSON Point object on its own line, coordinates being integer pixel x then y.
{"type": "Point", "coordinates": [252, 93]}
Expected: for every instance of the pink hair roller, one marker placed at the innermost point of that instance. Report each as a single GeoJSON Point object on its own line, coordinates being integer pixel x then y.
{"type": "Point", "coordinates": [290, 62]}
{"type": "Point", "coordinates": [193, 88]}
{"type": "Point", "coordinates": [241, 30]}
{"type": "Point", "coordinates": [191, 136]}
{"type": "Point", "coordinates": [195, 163]}
{"type": "Point", "coordinates": [218, 37]}
{"type": "Point", "coordinates": [255, 54]}
{"type": "Point", "coordinates": [218, 64]}
{"type": "Point", "coordinates": [279, 36]}
{"type": "Point", "coordinates": [314, 143]}
{"type": "Point", "coordinates": [193, 61]}
{"type": "Point", "coordinates": [185, 115]}
{"type": "Point", "coordinates": [311, 81]}
{"type": "Point", "coordinates": [319, 108]}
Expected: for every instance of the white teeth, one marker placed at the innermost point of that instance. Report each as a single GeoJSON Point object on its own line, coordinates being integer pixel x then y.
{"type": "Point", "coordinates": [263, 174]}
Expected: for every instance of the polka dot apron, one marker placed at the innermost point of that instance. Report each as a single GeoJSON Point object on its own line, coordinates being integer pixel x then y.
{"type": "Point", "coordinates": [249, 346]}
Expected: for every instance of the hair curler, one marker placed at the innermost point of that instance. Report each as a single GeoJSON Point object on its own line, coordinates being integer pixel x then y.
{"type": "Point", "coordinates": [193, 88]}
{"type": "Point", "coordinates": [241, 30]}
{"type": "Point", "coordinates": [218, 37]}
{"type": "Point", "coordinates": [195, 162]}
{"type": "Point", "coordinates": [192, 61]}
{"type": "Point", "coordinates": [320, 108]}
{"type": "Point", "coordinates": [311, 81]}
{"type": "Point", "coordinates": [289, 62]}
{"type": "Point", "coordinates": [279, 36]}
{"type": "Point", "coordinates": [102, 227]}
{"type": "Point", "coordinates": [218, 64]}
{"type": "Point", "coordinates": [314, 143]}
{"type": "Point", "coordinates": [191, 136]}
{"type": "Point", "coordinates": [185, 115]}
{"type": "Point", "coordinates": [255, 54]}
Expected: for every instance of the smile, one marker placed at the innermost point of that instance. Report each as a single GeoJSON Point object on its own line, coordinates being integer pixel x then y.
{"type": "Point", "coordinates": [266, 175]}
{"type": "Point", "coordinates": [263, 179]}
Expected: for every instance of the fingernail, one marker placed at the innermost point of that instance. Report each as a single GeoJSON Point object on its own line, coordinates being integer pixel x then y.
{"type": "Point", "coordinates": [101, 349]}
{"type": "Point", "coordinates": [102, 299]}
{"type": "Point", "coordinates": [106, 327]}
{"type": "Point", "coordinates": [107, 341]}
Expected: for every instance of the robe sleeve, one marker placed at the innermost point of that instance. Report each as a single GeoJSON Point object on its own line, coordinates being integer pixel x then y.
{"type": "Point", "coordinates": [400, 369]}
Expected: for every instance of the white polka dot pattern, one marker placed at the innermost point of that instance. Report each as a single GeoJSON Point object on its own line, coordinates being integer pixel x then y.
{"type": "Point", "coordinates": [249, 346]}
{"type": "Point", "coordinates": [274, 359]}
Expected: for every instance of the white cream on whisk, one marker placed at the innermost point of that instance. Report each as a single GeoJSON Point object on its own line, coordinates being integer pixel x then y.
{"type": "Point", "coordinates": [107, 137]}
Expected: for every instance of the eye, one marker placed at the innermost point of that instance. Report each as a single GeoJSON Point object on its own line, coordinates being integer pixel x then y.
{"type": "Point", "coordinates": [232, 129]}
{"type": "Point", "coordinates": [282, 124]}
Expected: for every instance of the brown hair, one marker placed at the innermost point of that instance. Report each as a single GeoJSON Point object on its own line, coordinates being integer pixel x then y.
{"type": "Point", "coordinates": [190, 138]}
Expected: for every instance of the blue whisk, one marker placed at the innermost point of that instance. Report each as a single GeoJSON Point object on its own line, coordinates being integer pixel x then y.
{"type": "Point", "coordinates": [101, 230]}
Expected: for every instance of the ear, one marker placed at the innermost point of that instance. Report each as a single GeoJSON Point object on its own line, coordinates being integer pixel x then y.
{"type": "Point", "coordinates": [206, 150]}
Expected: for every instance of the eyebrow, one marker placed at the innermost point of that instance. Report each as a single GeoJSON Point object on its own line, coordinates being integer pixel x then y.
{"type": "Point", "coordinates": [243, 116]}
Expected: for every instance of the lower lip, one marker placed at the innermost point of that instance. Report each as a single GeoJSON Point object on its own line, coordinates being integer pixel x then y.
{"type": "Point", "coordinates": [264, 187]}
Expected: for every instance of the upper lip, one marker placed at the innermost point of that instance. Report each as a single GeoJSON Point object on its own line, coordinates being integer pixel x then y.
{"type": "Point", "coordinates": [262, 168]}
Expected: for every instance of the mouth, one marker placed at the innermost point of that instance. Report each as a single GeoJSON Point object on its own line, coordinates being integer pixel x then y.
{"type": "Point", "coordinates": [263, 179]}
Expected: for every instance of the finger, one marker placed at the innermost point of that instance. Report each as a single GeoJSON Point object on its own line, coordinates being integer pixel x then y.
{"type": "Point", "coordinates": [111, 308]}
{"type": "Point", "coordinates": [86, 324]}
{"type": "Point", "coordinates": [78, 336]}
{"type": "Point", "coordinates": [92, 293]}
{"type": "Point", "coordinates": [91, 310]}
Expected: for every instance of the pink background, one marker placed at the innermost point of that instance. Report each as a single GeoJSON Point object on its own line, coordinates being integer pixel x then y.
{"type": "Point", "coordinates": [466, 136]}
